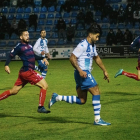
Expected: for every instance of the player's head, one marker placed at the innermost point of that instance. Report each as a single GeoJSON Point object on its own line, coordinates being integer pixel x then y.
{"type": "Point", "coordinates": [24, 35]}
{"type": "Point", "coordinates": [43, 34]}
{"type": "Point", "coordinates": [94, 31]}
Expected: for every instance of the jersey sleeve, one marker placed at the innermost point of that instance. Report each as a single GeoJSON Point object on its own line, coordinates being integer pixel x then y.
{"type": "Point", "coordinates": [135, 44]}
{"type": "Point", "coordinates": [95, 51]}
{"type": "Point", "coordinates": [78, 50]}
{"type": "Point", "coordinates": [36, 46]}
{"type": "Point", "coordinates": [15, 51]}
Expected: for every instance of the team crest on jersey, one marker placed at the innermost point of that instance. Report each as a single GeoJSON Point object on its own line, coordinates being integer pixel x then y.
{"type": "Point", "coordinates": [88, 55]}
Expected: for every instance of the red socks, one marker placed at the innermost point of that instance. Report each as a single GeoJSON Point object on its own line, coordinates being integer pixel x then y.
{"type": "Point", "coordinates": [5, 95]}
{"type": "Point", "coordinates": [130, 75]}
{"type": "Point", "coordinates": [42, 97]}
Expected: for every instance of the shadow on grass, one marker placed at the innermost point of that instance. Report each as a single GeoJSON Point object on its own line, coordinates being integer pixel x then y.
{"type": "Point", "coordinates": [119, 93]}
{"type": "Point", "coordinates": [47, 119]}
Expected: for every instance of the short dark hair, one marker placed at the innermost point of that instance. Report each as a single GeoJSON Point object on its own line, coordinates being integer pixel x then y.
{"type": "Point", "coordinates": [21, 31]}
{"type": "Point", "coordinates": [42, 30]}
{"type": "Point", "coordinates": [94, 28]}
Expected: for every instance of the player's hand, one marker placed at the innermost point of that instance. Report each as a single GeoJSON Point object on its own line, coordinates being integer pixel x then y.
{"type": "Point", "coordinates": [83, 74]}
{"type": "Point", "coordinates": [45, 61]}
{"type": "Point", "coordinates": [43, 52]}
{"type": "Point", "coordinates": [106, 76]}
{"type": "Point", "coordinates": [7, 69]}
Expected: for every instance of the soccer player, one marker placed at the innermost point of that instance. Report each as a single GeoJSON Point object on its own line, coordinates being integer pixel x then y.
{"type": "Point", "coordinates": [26, 74]}
{"type": "Point", "coordinates": [41, 51]}
{"type": "Point", "coordinates": [81, 59]}
{"type": "Point", "coordinates": [135, 46]}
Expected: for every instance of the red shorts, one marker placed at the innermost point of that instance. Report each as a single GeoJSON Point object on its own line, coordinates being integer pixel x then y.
{"type": "Point", "coordinates": [29, 76]}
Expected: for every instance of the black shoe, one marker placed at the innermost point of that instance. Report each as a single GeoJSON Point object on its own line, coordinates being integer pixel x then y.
{"type": "Point", "coordinates": [43, 110]}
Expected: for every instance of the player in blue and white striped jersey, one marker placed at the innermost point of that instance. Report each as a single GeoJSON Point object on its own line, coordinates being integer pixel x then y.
{"type": "Point", "coordinates": [82, 59]}
{"type": "Point", "coordinates": [41, 51]}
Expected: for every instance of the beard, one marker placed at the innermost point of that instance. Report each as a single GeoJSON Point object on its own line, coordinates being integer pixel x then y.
{"type": "Point", "coordinates": [25, 41]}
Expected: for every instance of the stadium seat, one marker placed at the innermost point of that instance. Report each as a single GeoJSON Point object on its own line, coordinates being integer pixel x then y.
{"type": "Point", "coordinates": [48, 29]}
{"type": "Point", "coordinates": [115, 6]}
{"type": "Point", "coordinates": [11, 44]}
{"type": "Point", "coordinates": [43, 9]}
{"type": "Point", "coordinates": [50, 15]}
{"type": "Point", "coordinates": [137, 25]}
{"type": "Point", "coordinates": [66, 15]}
{"type": "Point", "coordinates": [18, 16]}
{"type": "Point", "coordinates": [10, 16]}
{"type": "Point", "coordinates": [36, 10]}
{"type": "Point", "coordinates": [102, 40]}
{"type": "Point", "coordinates": [55, 21]}
{"type": "Point", "coordinates": [58, 8]}
{"type": "Point", "coordinates": [54, 35]}
{"type": "Point", "coordinates": [48, 35]}
{"type": "Point", "coordinates": [4, 10]}
{"type": "Point", "coordinates": [129, 26]}
{"type": "Point", "coordinates": [75, 8]}
{"type": "Point", "coordinates": [77, 41]}
{"type": "Point", "coordinates": [49, 22]}
{"type": "Point", "coordinates": [73, 21]}
{"type": "Point", "coordinates": [37, 36]}
{"type": "Point", "coordinates": [98, 13]}
{"type": "Point", "coordinates": [12, 10]}
{"type": "Point", "coordinates": [31, 29]}
{"type": "Point", "coordinates": [26, 16]}
{"type": "Point", "coordinates": [38, 29]}
{"type": "Point", "coordinates": [98, 20]}
{"type": "Point", "coordinates": [60, 42]}
{"type": "Point", "coordinates": [137, 32]}
{"type": "Point", "coordinates": [79, 34]}
{"type": "Point", "coordinates": [51, 9]}
{"type": "Point", "coordinates": [6, 36]}
{"type": "Point", "coordinates": [52, 42]}
{"type": "Point", "coordinates": [27, 10]}
{"type": "Point", "coordinates": [54, 29]}
{"type": "Point", "coordinates": [105, 20]}
{"type": "Point", "coordinates": [14, 36]}
{"type": "Point", "coordinates": [74, 14]}
{"type": "Point", "coordinates": [20, 10]}
{"type": "Point", "coordinates": [113, 26]}
{"type": "Point", "coordinates": [3, 44]}
{"type": "Point", "coordinates": [80, 27]}
{"type": "Point", "coordinates": [121, 26]}
{"type": "Point", "coordinates": [104, 33]}
{"type": "Point", "coordinates": [37, 3]}
{"type": "Point", "coordinates": [41, 22]}
{"type": "Point", "coordinates": [58, 15]}
{"type": "Point", "coordinates": [60, 2]}
{"type": "Point", "coordinates": [42, 16]}
{"type": "Point", "coordinates": [31, 36]}
{"type": "Point", "coordinates": [67, 21]}
{"type": "Point", "coordinates": [105, 26]}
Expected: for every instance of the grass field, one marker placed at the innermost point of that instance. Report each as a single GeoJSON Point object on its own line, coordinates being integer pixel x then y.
{"type": "Point", "coordinates": [120, 100]}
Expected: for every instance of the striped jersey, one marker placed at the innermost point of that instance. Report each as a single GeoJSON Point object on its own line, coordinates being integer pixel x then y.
{"type": "Point", "coordinates": [85, 53]}
{"type": "Point", "coordinates": [41, 45]}
{"type": "Point", "coordinates": [26, 54]}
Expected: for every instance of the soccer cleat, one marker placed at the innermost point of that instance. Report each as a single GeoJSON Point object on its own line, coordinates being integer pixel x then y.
{"type": "Point", "coordinates": [52, 100]}
{"type": "Point", "coordinates": [101, 122]}
{"type": "Point", "coordinates": [43, 110]}
{"type": "Point", "coordinates": [118, 73]}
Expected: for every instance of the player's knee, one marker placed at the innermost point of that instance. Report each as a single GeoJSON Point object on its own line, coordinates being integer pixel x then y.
{"type": "Point", "coordinates": [83, 101]}
{"type": "Point", "coordinates": [13, 92]}
{"type": "Point", "coordinates": [45, 86]}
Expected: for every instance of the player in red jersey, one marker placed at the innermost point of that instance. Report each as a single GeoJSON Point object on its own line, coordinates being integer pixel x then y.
{"type": "Point", "coordinates": [26, 74]}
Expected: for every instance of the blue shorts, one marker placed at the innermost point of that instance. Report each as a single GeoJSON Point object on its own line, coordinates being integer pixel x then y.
{"type": "Point", "coordinates": [41, 66]}
{"type": "Point", "coordinates": [84, 83]}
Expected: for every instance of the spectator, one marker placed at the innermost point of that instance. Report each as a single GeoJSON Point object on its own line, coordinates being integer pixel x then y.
{"type": "Point", "coordinates": [70, 32]}
{"type": "Point", "coordinates": [113, 16]}
{"type": "Point", "coordinates": [127, 38]}
{"type": "Point", "coordinates": [67, 6]}
{"type": "Point", "coordinates": [110, 39]}
{"type": "Point", "coordinates": [106, 11]}
{"type": "Point", "coordinates": [21, 3]}
{"type": "Point", "coordinates": [5, 27]}
{"type": "Point", "coordinates": [6, 3]}
{"type": "Point", "coordinates": [99, 4]}
{"type": "Point", "coordinates": [80, 19]}
{"type": "Point", "coordinates": [121, 15]}
{"type": "Point", "coordinates": [61, 26]}
{"type": "Point", "coordinates": [22, 25]}
{"type": "Point", "coordinates": [136, 17]}
{"type": "Point", "coordinates": [137, 5]}
{"type": "Point", "coordinates": [89, 17]}
{"type": "Point", "coordinates": [33, 20]}
{"type": "Point", "coordinates": [14, 27]}
{"type": "Point", "coordinates": [119, 37]}
{"type": "Point", "coordinates": [31, 3]}
{"type": "Point", "coordinates": [82, 4]}
{"type": "Point", "coordinates": [129, 13]}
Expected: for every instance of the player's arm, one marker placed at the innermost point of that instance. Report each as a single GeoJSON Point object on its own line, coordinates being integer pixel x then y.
{"type": "Point", "coordinates": [73, 60]}
{"type": "Point", "coordinates": [35, 48]}
{"type": "Point", "coordinates": [134, 45]}
{"type": "Point", "coordinates": [101, 65]}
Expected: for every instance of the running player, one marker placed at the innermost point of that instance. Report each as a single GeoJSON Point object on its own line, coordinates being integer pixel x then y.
{"type": "Point", "coordinates": [81, 59]}
{"type": "Point", "coordinates": [26, 74]}
{"type": "Point", "coordinates": [135, 46]}
{"type": "Point", "coordinates": [41, 51]}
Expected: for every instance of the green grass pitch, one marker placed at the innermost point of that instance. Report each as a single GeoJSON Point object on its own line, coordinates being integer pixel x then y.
{"type": "Point", "coordinates": [120, 100]}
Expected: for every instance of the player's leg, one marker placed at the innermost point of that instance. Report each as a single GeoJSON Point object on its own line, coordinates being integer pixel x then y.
{"type": "Point", "coordinates": [37, 67]}
{"type": "Point", "coordinates": [80, 99]}
{"type": "Point", "coordinates": [44, 69]}
{"type": "Point", "coordinates": [10, 92]}
{"type": "Point", "coordinates": [43, 90]}
{"type": "Point", "coordinates": [97, 106]}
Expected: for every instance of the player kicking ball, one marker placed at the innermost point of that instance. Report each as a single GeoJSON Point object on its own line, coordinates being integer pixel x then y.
{"type": "Point", "coordinates": [81, 59]}
{"type": "Point", "coordinates": [135, 46]}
